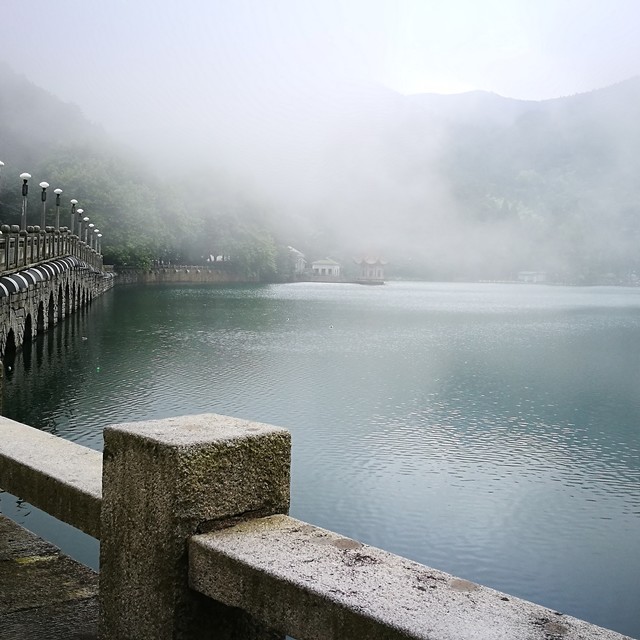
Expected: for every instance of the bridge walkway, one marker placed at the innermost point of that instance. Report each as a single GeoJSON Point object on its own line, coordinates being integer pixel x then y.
{"type": "Point", "coordinates": [44, 595]}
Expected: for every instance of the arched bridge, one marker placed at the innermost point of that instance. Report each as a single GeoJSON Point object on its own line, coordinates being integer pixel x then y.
{"type": "Point", "coordinates": [44, 277]}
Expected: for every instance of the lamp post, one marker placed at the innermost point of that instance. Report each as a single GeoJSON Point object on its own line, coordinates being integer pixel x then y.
{"type": "Point", "coordinates": [99, 243]}
{"type": "Point", "coordinates": [57, 192]}
{"type": "Point", "coordinates": [25, 192]}
{"type": "Point", "coordinates": [43, 197]}
{"type": "Point", "coordinates": [88, 230]}
{"type": "Point", "coordinates": [74, 202]}
{"type": "Point", "coordinates": [95, 239]}
{"type": "Point", "coordinates": [80, 212]}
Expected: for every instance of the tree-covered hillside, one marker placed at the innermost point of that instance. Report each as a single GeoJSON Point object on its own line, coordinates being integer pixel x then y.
{"type": "Point", "coordinates": [563, 174]}
{"type": "Point", "coordinates": [479, 186]}
{"type": "Point", "coordinates": [142, 218]}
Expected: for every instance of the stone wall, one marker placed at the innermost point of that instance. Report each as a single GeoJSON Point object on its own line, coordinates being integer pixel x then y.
{"type": "Point", "coordinates": [180, 274]}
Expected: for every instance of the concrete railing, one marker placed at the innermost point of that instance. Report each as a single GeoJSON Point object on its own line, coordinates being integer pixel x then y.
{"type": "Point", "coordinates": [21, 249]}
{"type": "Point", "coordinates": [196, 543]}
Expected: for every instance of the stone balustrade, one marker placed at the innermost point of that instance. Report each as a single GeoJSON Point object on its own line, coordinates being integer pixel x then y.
{"type": "Point", "coordinates": [20, 249]}
{"type": "Point", "coordinates": [196, 543]}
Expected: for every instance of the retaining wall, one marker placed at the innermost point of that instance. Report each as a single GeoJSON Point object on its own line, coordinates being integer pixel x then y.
{"type": "Point", "coordinates": [180, 275]}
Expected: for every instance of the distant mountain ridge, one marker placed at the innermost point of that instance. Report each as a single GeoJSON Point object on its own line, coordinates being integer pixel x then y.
{"type": "Point", "coordinates": [556, 180]}
{"type": "Point", "coordinates": [33, 121]}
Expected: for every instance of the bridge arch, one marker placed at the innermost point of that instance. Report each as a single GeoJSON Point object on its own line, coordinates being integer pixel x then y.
{"type": "Point", "coordinates": [51, 311]}
{"type": "Point", "coordinates": [27, 336]}
{"type": "Point", "coordinates": [36, 297]}
{"type": "Point", "coordinates": [60, 309]}
{"type": "Point", "coordinates": [9, 353]}
{"type": "Point", "coordinates": [40, 317]}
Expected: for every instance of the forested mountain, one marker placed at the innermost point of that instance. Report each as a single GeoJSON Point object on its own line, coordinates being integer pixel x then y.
{"type": "Point", "coordinates": [480, 186]}
{"type": "Point", "coordinates": [142, 218]}
{"type": "Point", "coordinates": [463, 186]}
{"type": "Point", "coordinates": [561, 173]}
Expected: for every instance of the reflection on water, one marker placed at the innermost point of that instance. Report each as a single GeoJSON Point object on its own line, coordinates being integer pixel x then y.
{"type": "Point", "coordinates": [490, 431]}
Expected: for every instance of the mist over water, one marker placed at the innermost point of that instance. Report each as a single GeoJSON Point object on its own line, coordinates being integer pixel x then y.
{"type": "Point", "coordinates": [490, 431]}
{"type": "Point", "coordinates": [327, 123]}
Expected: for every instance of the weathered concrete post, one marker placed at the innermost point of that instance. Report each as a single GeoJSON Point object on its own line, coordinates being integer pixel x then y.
{"type": "Point", "coordinates": [164, 481]}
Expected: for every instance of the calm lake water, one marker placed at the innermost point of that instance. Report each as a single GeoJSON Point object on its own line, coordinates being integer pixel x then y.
{"type": "Point", "coordinates": [491, 431]}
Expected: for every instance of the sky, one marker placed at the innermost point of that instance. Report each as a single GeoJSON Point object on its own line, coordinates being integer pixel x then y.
{"type": "Point", "coordinates": [134, 63]}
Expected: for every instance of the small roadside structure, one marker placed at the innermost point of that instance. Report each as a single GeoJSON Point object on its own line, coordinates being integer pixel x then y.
{"type": "Point", "coordinates": [326, 269]}
{"type": "Point", "coordinates": [371, 270]}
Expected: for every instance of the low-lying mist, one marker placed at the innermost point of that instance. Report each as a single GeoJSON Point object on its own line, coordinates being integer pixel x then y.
{"type": "Point", "coordinates": [471, 186]}
{"type": "Point", "coordinates": [474, 186]}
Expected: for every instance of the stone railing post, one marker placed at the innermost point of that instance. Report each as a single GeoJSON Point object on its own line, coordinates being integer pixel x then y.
{"type": "Point", "coordinates": [164, 481]}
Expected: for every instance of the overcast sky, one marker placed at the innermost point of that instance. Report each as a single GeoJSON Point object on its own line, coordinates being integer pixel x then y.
{"type": "Point", "coordinates": [127, 63]}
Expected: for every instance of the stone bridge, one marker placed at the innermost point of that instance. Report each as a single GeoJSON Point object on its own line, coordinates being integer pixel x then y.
{"type": "Point", "coordinates": [45, 275]}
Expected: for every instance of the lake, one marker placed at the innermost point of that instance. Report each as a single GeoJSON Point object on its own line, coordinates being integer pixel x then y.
{"type": "Point", "coordinates": [488, 430]}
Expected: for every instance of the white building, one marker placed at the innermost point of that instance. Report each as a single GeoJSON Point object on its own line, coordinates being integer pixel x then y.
{"type": "Point", "coordinates": [326, 268]}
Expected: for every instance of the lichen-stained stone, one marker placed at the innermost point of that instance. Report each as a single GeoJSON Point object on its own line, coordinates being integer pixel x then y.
{"type": "Point", "coordinates": [164, 481]}
{"type": "Point", "coordinates": [313, 583]}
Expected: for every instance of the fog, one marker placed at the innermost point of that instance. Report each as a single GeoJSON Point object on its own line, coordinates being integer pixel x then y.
{"type": "Point", "coordinates": [306, 108]}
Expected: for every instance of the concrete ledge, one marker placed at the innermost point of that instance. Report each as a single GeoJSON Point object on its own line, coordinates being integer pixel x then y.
{"type": "Point", "coordinates": [314, 584]}
{"type": "Point", "coordinates": [55, 475]}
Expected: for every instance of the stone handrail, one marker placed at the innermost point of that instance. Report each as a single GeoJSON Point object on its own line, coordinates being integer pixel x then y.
{"type": "Point", "coordinates": [56, 475]}
{"type": "Point", "coordinates": [196, 506]}
{"type": "Point", "coordinates": [313, 583]}
{"type": "Point", "coordinates": [23, 249]}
